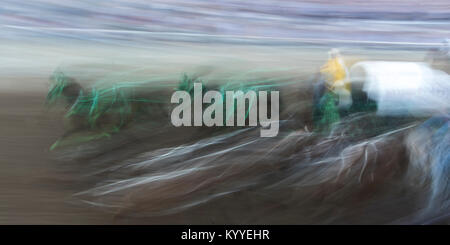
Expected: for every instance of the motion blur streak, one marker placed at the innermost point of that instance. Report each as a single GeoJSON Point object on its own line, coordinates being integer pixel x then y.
{"type": "Point", "coordinates": [86, 136]}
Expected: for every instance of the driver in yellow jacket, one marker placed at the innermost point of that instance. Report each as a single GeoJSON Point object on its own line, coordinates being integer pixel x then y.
{"type": "Point", "coordinates": [336, 75]}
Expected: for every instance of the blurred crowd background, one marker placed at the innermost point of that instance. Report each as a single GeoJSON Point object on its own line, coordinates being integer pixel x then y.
{"type": "Point", "coordinates": [354, 21]}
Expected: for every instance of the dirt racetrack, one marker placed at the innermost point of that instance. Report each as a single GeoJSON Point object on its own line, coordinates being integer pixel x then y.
{"type": "Point", "coordinates": [76, 185]}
